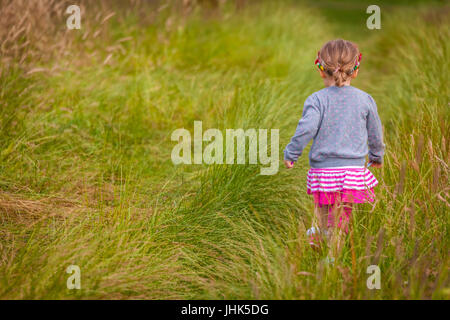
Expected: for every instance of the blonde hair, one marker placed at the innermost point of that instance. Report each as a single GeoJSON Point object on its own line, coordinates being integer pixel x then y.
{"type": "Point", "coordinates": [339, 58]}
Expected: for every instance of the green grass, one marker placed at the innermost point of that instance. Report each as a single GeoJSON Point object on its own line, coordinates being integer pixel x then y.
{"type": "Point", "coordinates": [86, 176]}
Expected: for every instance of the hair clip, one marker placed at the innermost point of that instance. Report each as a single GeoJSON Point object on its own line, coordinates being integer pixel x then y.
{"type": "Point", "coordinates": [317, 62]}
{"type": "Point", "coordinates": [319, 65]}
{"type": "Point", "coordinates": [358, 61]}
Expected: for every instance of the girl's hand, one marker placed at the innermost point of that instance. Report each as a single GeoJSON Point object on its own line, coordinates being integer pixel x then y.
{"type": "Point", "coordinates": [376, 165]}
{"type": "Point", "coordinates": [289, 164]}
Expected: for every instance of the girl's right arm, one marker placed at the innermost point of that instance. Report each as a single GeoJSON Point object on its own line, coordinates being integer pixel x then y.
{"type": "Point", "coordinates": [306, 129]}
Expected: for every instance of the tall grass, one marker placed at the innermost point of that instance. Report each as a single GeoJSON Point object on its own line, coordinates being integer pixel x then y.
{"type": "Point", "coordinates": [86, 176]}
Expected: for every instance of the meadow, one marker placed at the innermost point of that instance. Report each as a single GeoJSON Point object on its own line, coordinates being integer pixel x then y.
{"type": "Point", "coordinates": [86, 176]}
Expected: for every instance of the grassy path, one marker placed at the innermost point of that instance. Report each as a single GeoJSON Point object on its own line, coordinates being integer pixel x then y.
{"type": "Point", "coordinates": [86, 176]}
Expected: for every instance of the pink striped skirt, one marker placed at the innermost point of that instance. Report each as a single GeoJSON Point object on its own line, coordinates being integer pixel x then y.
{"type": "Point", "coordinates": [352, 184]}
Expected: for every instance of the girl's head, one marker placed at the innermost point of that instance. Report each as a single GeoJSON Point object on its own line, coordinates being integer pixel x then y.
{"type": "Point", "coordinates": [338, 61]}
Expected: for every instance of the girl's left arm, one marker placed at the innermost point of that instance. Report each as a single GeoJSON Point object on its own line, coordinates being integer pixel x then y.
{"type": "Point", "coordinates": [306, 129]}
{"type": "Point", "coordinates": [375, 133]}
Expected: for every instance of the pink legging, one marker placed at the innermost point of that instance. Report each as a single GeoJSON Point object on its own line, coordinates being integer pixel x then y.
{"type": "Point", "coordinates": [344, 219]}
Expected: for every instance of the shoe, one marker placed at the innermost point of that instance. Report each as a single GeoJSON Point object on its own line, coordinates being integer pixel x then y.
{"type": "Point", "coordinates": [328, 261]}
{"type": "Point", "coordinates": [315, 238]}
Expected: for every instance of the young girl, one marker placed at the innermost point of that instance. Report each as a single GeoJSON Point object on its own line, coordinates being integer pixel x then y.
{"type": "Point", "coordinates": [345, 126]}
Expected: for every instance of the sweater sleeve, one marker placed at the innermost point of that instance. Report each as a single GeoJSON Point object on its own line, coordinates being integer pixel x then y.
{"type": "Point", "coordinates": [375, 133]}
{"type": "Point", "coordinates": [306, 129]}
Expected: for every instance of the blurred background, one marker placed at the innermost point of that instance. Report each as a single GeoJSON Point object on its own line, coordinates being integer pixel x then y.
{"type": "Point", "coordinates": [86, 176]}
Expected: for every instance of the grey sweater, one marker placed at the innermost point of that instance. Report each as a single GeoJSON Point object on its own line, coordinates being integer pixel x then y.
{"type": "Point", "coordinates": [345, 126]}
